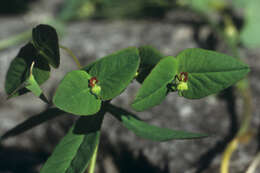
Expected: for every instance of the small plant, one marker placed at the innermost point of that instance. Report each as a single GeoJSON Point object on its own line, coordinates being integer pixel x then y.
{"type": "Point", "coordinates": [87, 92]}
{"type": "Point", "coordinates": [236, 32]}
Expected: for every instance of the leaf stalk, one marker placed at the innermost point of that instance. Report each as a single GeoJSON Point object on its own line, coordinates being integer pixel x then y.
{"type": "Point", "coordinates": [72, 55]}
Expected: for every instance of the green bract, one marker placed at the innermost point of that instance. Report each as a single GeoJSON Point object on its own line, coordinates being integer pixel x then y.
{"type": "Point", "coordinates": [154, 88]}
{"type": "Point", "coordinates": [74, 96]}
{"type": "Point", "coordinates": [33, 86]}
{"type": "Point", "coordinates": [182, 86]}
{"type": "Point", "coordinates": [209, 72]}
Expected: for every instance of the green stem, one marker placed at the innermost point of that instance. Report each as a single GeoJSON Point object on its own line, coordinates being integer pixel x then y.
{"type": "Point", "coordinates": [92, 164]}
{"type": "Point", "coordinates": [253, 166]}
{"type": "Point", "coordinates": [19, 38]}
{"type": "Point", "coordinates": [231, 147]}
{"type": "Point", "coordinates": [72, 55]}
{"type": "Point", "coordinates": [244, 89]}
{"type": "Point", "coordinates": [27, 35]}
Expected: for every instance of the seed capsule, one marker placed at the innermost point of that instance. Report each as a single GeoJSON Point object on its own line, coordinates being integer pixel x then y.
{"type": "Point", "coordinates": [184, 76]}
{"type": "Point", "coordinates": [96, 90]}
{"type": "Point", "coordinates": [182, 86]}
{"type": "Point", "coordinates": [93, 81]}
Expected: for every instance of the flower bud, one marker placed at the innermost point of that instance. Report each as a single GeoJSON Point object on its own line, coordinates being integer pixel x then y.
{"type": "Point", "coordinates": [96, 89]}
{"type": "Point", "coordinates": [182, 86]}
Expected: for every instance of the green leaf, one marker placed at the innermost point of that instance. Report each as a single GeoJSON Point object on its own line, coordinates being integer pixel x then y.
{"type": "Point", "coordinates": [32, 122]}
{"type": "Point", "coordinates": [15, 76]}
{"type": "Point", "coordinates": [41, 70]}
{"type": "Point", "coordinates": [73, 94]}
{"type": "Point", "coordinates": [144, 130]}
{"type": "Point", "coordinates": [45, 39]}
{"type": "Point", "coordinates": [154, 88]}
{"type": "Point", "coordinates": [209, 72]}
{"type": "Point", "coordinates": [19, 70]}
{"type": "Point", "coordinates": [115, 71]}
{"type": "Point", "coordinates": [149, 58]}
{"type": "Point", "coordinates": [74, 152]}
{"type": "Point", "coordinates": [33, 86]}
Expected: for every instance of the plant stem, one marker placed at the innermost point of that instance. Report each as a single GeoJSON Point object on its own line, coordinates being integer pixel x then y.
{"type": "Point", "coordinates": [16, 39]}
{"type": "Point", "coordinates": [92, 164]}
{"type": "Point", "coordinates": [232, 146]}
{"type": "Point", "coordinates": [27, 35]}
{"type": "Point", "coordinates": [72, 55]}
{"type": "Point", "coordinates": [254, 164]}
{"type": "Point", "coordinates": [244, 130]}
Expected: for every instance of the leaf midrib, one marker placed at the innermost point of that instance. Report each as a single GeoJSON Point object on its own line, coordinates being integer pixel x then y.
{"type": "Point", "coordinates": [224, 71]}
{"type": "Point", "coordinates": [76, 153]}
{"type": "Point", "coordinates": [138, 100]}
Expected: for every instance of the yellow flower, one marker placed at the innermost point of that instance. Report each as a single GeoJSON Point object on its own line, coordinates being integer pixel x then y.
{"type": "Point", "coordinates": [182, 86]}
{"type": "Point", "coordinates": [96, 89]}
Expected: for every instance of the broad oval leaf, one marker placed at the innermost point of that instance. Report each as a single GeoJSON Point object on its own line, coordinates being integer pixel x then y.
{"type": "Point", "coordinates": [154, 88]}
{"type": "Point", "coordinates": [115, 71]}
{"type": "Point", "coordinates": [73, 94]}
{"type": "Point", "coordinates": [74, 152]}
{"type": "Point", "coordinates": [45, 39]}
{"type": "Point", "coordinates": [149, 58]}
{"type": "Point", "coordinates": [15, 75]}
{"type": "Point", "coordinates": [209, 72]}
{"type": "Point", "coordinates": [151, 132]}
{"type": "Point", "coordinates": [19, 70]}
{"type": "Point", "coordinates": [73, 147]}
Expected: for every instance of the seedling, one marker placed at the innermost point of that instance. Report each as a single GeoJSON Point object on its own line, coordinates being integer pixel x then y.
{"type": "Point", "coordinates": [87, 92]}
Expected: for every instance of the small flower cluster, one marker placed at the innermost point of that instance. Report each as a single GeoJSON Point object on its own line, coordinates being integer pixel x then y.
{"type": "Point", "coordinates": [179, 83]}
{"type": "Point", "coordinates": [95, 89]}
{"type": "Point", "coordinates": [182, 83]}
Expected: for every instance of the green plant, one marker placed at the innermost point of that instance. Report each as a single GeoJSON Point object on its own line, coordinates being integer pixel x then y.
{"type": "Point", "coordinates": [87, 92]}
{"type": "Point", "coordinates": [221, 16]}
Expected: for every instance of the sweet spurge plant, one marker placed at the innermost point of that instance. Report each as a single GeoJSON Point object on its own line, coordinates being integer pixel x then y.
{"type": "Point", "coordinates": [194, 73]}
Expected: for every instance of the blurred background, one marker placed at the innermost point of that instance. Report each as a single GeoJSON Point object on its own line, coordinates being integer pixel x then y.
{"type": "Point", "coordinates": [95, 28]}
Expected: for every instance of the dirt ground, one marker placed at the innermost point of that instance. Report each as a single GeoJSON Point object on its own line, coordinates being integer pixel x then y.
{"type": "Point", "coordinates": [120, 150]}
